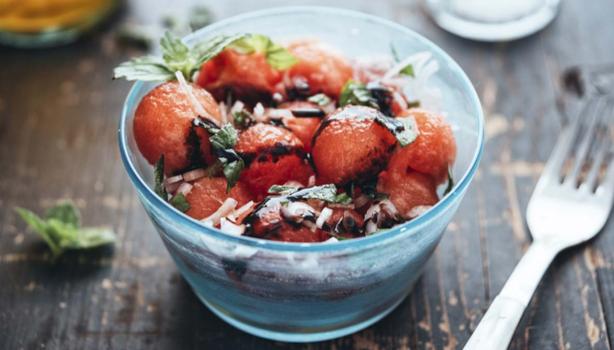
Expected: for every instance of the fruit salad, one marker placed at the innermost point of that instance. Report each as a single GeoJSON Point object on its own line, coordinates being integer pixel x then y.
{"type": "Point", "coordinates": [291, 141]}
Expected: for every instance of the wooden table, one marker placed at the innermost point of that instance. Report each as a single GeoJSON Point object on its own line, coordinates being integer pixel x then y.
{"type": "Point", "coordinates": [59, 113]}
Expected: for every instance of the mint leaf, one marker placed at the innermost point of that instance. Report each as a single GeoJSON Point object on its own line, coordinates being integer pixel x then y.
{"type": "Point", "coordinates": [39, 226]}
{"type": "Point", "coordinates": [232, 172]}
{"type": "Point", "coordinates": [404, 129]}
{"type": "Point", "coordinates": [65, 212]}
{"type": "Point", "coordinates": [343, 198]}
{"type": "Point", "coordinates": [61, 229]}
{"type": "Point", "coordinates": [276, 55]}
{"type": "Point", "coordinates": [180, 202]}
{"type": "Point", "coordinates": [356, 93]}
{"type": "Point", "coordinates": [281, 189]}
{"type": "Point", "coordinates": [159, 187]}
{"type": "Point", "coordinates": [143, 68]}
{"type": "Point", "coordinates": [222, 141]}
{"type": "Point", "coordinates": [205, 51]}
{"type": "Point", "coordinates": [319, 99]}
{"type": "Point", "coordinates": [90, 237]}
{"type": "Point", "coordinates": [176, 56]}
{"type": "Point", "coordinates": [408, 70]}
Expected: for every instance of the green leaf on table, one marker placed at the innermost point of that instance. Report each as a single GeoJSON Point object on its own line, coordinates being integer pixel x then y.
{"type": "Point", "coordinates": [65, 212]}
{"type": "Point", "coordinates": [61, 229]}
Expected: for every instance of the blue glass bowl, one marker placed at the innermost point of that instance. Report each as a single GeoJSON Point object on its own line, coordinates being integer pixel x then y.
{"type": "Point", "coordinates": [302, 292]}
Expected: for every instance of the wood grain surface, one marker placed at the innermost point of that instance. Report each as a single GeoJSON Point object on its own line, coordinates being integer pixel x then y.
{"type": "Point", "coordinates": [59, 114]}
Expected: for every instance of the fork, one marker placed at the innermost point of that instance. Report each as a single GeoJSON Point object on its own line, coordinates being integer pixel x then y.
{"type": "Point", "coordinates": [570, 205]}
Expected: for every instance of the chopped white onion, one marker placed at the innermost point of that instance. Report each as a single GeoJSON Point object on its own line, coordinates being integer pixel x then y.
{"type": "Point", "coordinates": [370, 228]}
{"type": "Point", "coordinates": [389, 208]}
{"type": "Point", "coordinates": [173, 179]}
{"type": "Point", "coordinates": [240, 213]}
{"type": "Point", "coordinates": [184, 188]}
{"type": "Point", "coordinates": [324, 216]}
{"type": "Point", "coordinates": [187, 90]}
{"type": "Point", "coordinates": [226, 207]}
{"type": "Point", "coordinates": [331, 240]}
{"type": "Point", "coordinates": [417, 211]}
{"type": "Point", "coordinates": [297, 211]}
{"type": "Point", "coordinates": [171, 188]}
{"type": "Point", "coordinates": [417, 60]}
{"type": "Point", "coordinates": [259, 110]}
{"type": "Point", "coordinates": [238, 106]}
{"type": "Point", "coordinates": [231, 228]}
{"type": "Point", "coordinates": [373, 212]}
{"type": "Point", "coordinates": [312, 181]}
{"type": "Point", "coordinates": [223, 112]}
{"type": "Point", "coordinates": [194, 174]}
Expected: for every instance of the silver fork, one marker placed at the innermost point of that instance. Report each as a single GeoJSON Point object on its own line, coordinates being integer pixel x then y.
{"type": "Point", "coordinates": [570, 205]}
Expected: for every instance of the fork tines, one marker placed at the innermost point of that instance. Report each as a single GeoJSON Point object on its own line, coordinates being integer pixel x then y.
{"type": "Point", "coordinates": [583, 155]}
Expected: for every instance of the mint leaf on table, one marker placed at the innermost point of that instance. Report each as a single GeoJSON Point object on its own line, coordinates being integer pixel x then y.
{"type": "Point", "coordinates": [223, 141]}
{"type": "Point", "coordinates": [276, 55]}
{"type": "Point", "coordinates": [176, 56]}
{"type": "Point", "coordinates": [61, 229]}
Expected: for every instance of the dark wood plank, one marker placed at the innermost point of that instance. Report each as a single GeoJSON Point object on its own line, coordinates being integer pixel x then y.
{"type": "Point", "coordinates": [58, 121]}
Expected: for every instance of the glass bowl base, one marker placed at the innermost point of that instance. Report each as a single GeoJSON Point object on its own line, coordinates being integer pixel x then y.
{"type": "Point", "coordinates": [296, 337]}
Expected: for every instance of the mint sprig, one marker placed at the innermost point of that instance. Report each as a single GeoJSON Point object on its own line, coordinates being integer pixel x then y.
{"type": "Point", "coordinates": [61, 229]}
{"type": "Point", "coordinates": [176, 56]}
{"type": "Point", "coordinates": [356, 93]}
{"type": "Point", "coordinates": [326, 193]}
{"type": "Point", "coordinates": [276, 55]}
{"type": "Point", "coordinates": [223, 141]}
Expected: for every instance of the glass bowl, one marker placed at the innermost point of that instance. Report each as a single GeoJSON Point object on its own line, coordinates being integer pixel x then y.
{"type": "Point", "coordinates": [303, 292]}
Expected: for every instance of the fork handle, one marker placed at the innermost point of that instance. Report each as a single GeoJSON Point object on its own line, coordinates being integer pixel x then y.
{"type": "Point", "coordinates": [497, 327]}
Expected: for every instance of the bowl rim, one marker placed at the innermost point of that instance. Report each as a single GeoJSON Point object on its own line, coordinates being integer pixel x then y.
{"type": "Point", "coordinates": [357, 243]}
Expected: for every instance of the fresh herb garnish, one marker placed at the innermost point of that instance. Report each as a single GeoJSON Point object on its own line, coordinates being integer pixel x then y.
{"type": "Point", "coordinates": [176, 56]}
{"type": "Point", "coordinates": [61, 229]}
{"type": "Point", "coordinates": [408, 70]}
{"type": "Point", "coordinates": [356, 93]}
{"type": "Point", "coordinates": [276, 55]}
{"type": "Point", "coordinates": [326, 193]}
{"type": "Point", "coordinates": [319, 99]}
{"type": "Point", "coordinates": [180, 202]}
{"type": "Point", "coordinates": [281, 189]}
{"type": "Point", "coordinates": [242, 118]}
{"type": "Point", "coordinates": [343, 198]}
{"type": "Point", "coordinates": [223, 140]}
{"type": "Point", "coordinates": [159, 178]}
{"type": "Point", "coordinates": [404, 129]}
